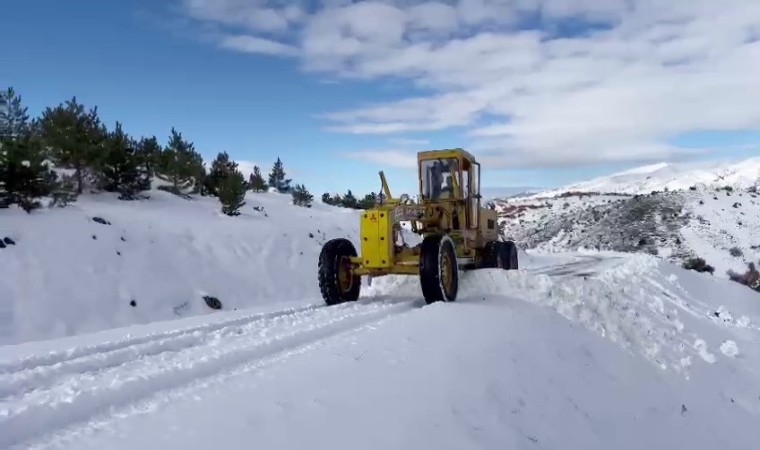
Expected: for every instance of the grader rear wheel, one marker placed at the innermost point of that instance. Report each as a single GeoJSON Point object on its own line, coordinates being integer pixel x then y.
{"type": "Point", "coordinates": [500, 255]}
{"type": "Point", "coordinates": [510, 252]}
{"type": "Point", "coordinates": [439, 272]}
{"type": "Point", "coordinates": [337, 281]}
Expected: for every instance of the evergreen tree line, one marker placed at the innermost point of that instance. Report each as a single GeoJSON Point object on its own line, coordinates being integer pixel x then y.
{"type": "Point", "coordinates": [349, 200]}
{"type": "Point", "coordinates": [89, 157]}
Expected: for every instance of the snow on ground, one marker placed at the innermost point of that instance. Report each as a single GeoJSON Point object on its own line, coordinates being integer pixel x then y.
{"type": "Point", "coordinates": [715, 224]}
{"type": "Point", "coordinates": [723, 221]}
{"type": "Point", "coordinates": [648, 306]}
{"type": "Point", "coordinates": [522, 217]}
{"type": "Point", "coordinates": [68, 274]}
{"type": "Point", "coordinates": [585, 350]}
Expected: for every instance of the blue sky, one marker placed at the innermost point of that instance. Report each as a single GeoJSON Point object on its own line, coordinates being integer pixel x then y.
{"type": "Point", "coordinates": [263, 94]}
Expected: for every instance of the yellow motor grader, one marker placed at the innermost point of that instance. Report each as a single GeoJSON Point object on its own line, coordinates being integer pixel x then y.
{"type": "Point", "coordinates": [457, 233]}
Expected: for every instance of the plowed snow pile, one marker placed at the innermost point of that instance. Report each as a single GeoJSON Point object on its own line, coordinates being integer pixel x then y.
{"type": "Point", "coordinates": [672, 317]}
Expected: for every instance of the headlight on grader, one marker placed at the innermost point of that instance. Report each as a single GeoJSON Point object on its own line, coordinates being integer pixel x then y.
{"type": "Point", "coordinates": [458, 233]}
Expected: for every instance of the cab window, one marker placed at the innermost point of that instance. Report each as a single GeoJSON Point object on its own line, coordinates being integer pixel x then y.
{"type": "Point", "coordinates": [438, 177]}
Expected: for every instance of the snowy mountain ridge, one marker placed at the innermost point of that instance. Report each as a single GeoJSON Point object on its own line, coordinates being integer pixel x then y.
{"type": "Point", "coordinates": [671, 176]}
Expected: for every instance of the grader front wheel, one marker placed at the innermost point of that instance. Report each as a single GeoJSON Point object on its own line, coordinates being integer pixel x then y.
{"type": "Point", "coordinates": [439, 273]}
{"type": "Point", "coordinates": [337, 280]}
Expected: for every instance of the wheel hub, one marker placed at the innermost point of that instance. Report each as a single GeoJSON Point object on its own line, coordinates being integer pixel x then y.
{"type": "Point", "coordinates": [345, 274]}
{"type": "Point", "coordinates": [447, 278]}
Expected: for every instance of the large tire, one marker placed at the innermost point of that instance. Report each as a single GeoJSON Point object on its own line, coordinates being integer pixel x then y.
{"type": "Point", "coordinates": [439, 273]}
{"type": "Point", "coordinates": [337, 282]}
{"type": "Point", "coordinates": [491, 255]}
{"type": "Point", "coordinates": [500, 255]}
{"type": "Point", "coordinates": [510, 253]}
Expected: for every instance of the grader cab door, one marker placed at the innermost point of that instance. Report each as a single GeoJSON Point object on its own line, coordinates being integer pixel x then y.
{"type": "Point", "coordinates": [471, 185]}
{"type": "Point", "coordinates": [436, 184]}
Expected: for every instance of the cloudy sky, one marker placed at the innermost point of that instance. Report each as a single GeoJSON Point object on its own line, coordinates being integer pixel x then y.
{"type": "Point", "coordinates": [543, 91]}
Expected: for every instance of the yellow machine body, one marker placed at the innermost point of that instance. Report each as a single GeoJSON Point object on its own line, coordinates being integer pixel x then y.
{"type": "Point", "coordinates": [377, 239]}
{"type": "Point", "coordinates": [460, 215]}
{"type": "Point", "coordinates": [457, 233]}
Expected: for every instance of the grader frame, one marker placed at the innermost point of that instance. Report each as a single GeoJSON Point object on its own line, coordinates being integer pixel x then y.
{"type": "Point", "coordinates": [457, 233]}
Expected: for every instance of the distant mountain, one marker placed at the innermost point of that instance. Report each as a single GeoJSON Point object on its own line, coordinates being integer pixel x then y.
{"type": "Point", "coordinates": [502, 192]}
{"type": "Point", "coordinates": [671, 176]}
{"type": "Point", "coordinates": [708, 210]}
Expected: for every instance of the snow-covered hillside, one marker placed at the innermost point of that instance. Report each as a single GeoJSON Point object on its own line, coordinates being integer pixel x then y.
{"type": "Point", "coordinates": [70, 273]}
{"type": "Point", "coordinates": [656, 209]}
{"type": "Point", "coordinates": [670, 176]}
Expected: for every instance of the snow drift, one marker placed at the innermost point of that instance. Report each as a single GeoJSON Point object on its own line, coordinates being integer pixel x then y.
{"type": "Point", "coordinates": [101, 263]}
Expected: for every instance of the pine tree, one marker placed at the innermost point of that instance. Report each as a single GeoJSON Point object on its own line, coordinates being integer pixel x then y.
{"type": "Point", "coordinates": [120, 167]}
{"type": "Point", "coordinates": [277, 178]}
{"type": "Point", "coordinates": [148, 152]}
{"type": "Point", "coordinates": [368, 201]}
{"type": "Point", "coordinates": [326, 199]}
{"type": "Point", "coordinates": [14, 120]}
{"type": "Point", "coordinates": [301, 196]}
{"type": "Point", "coordinates": [198, 171]}
{"type": "Point", "coordinates": [349, 201]}
{"type": "Point", "coordinates": [26, 172]}
{"type": "Point", "coordinates": [76, 137]}
{"type": "Point", "coordinates": [221, 167]}
{"type": "Point", "coordinates": [181, 164]}
{"type": "Point", "coordinates": [232, 189]}
{"type": "Point", "coordinates": [5, 199]}
{"type": "Point", "coordinates": [256, 181]}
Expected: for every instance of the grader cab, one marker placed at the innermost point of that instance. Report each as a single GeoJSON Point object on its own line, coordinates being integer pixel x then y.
{"type": "Point", "coordinates": [457, 233]}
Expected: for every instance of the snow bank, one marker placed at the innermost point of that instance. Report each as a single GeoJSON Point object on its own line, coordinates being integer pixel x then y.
{"type": "Point", "coordinates": [672, 317]}
{"type": "Point", "coordinates": [155, 260]}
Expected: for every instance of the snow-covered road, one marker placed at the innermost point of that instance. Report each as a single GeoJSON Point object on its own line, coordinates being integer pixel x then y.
{"type": "Point", "coordinates": [497, 369]}
{"type": "Point", "coordinates": [54, 390]}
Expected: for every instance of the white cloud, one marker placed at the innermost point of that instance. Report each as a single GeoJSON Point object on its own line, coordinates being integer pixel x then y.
{"type": "Point", "coordinates": [408, 141]}
{"type": "Point", "coordinates": [251, 44]}
{"type": "Point", "coordinates": [388, 158]}
{"type": "Point", "coordinates": [526, 97]}
{"type": "Point", "coordinates": [432, 17]}
{"type": "Point", "coordinates": [258, 15]}
{"type": "Point", "coordinates": [246, 168]}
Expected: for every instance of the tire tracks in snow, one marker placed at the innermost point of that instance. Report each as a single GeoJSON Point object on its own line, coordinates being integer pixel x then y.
{"type": "Point", "coordinates": [585, 265]}
{"type": "Point", "coordinates": [43, 394]}
{"type": "Point", "coordinates": [35, 362]}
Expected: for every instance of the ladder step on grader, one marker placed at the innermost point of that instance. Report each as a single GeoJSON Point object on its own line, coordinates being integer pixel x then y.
{"type": "Point", "coordinates": [457, 233]}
